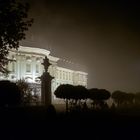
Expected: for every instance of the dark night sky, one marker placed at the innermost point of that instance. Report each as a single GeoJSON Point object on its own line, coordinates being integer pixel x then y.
{"type": "Point", "coordinates": [103, 37]}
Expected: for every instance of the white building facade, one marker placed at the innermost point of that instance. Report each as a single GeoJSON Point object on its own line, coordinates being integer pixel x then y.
{"type": "Point", "coordinates": [28, 66]}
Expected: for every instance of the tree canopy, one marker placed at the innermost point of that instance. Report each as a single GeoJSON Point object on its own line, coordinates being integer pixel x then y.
{"type": "Point", "coordinates": [14, 22]}
{"type": "Point", "coordinates": [68, 91]}
{"type": "Point", "coordinates": [99, 94]}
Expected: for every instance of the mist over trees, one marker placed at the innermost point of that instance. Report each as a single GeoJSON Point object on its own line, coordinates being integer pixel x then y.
{"type": "Point", "coordinates": [79, 98]}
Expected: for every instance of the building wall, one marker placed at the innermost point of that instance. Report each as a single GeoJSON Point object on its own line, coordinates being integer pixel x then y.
{"type": "Point", "coordinates": [27, 65]}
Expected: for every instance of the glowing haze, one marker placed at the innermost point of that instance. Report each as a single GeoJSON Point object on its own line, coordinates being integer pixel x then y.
{"type": "Point", "coordinates": [102, 37]}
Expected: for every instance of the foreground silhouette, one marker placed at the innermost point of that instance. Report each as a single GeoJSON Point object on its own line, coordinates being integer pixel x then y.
{"type": "Point", "coordinates": [10, 94]}
{"type": "Point", "coordinates": [14, 22]}
{"type": "Point", "coordinates": [81, 121]}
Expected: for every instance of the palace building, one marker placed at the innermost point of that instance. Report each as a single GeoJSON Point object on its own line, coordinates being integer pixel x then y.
{"type": "Point", "coordinates": [28, 66]}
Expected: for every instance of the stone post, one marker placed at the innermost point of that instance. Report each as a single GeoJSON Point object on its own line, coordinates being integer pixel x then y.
{"type": "Point", "coordinates": [46, 84]}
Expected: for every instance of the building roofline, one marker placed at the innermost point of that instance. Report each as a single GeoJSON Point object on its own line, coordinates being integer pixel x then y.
{"type": "Point", "coordinates": [53, 58]}
{"type": "Point", "coordinates": [81, 72]}
{"type": "Point", "coordinates": [34, 50]}
{"type": "Point", "coordinates": [38, 51]}
{"type": "Point", "coordinates": [70, 70]}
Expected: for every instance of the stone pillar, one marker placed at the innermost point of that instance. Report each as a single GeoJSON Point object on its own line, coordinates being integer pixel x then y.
{"type": "Point", "coordinates": [46, 79]}
{"type": "Point", "coordinates": [33, 67]}
{"type": "Point", "coordinates": [22, 66]}
{"type": "Point", "coordinates": [18, 66]}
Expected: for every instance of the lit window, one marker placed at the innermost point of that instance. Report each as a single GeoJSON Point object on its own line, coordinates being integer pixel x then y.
{"type": "Point", "coordinates": [37, 68]}
{"type": "Point", "coordinates": [28, 67]}
{"type": "Point", "coordinates": [60, 74]}
{"type": "Point", "coordinates": [66, 75]}
{"type": "Point", "coordinates": [38, 60]}
{"type": "Point", "coordinates": [70, 76]}
{"type": "Point", "coordinates": [28, 58]}
{"type": "Point", "coordinates": [13, 66]}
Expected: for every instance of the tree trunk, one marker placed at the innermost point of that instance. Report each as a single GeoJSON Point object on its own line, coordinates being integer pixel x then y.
{"type": "Point", "coordinates": [66, 105]}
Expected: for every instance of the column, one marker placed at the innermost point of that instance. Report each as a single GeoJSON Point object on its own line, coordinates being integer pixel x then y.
{"type": "Point", "coordinates": [22, 66]}
{"type": "Point", "coordinates": [18, 66]}
{"type": "Point", "coordinates": [33, 58]}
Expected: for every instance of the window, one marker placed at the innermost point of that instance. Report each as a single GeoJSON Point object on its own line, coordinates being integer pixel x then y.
{"type": "Point", "coordinates": [37, 68]}
{"type": "Point", "coordinates": [63, 75]}
{"type": "Point", "coordinates": [13, 66]}
{"type": "Point", "coordinates": [28, 67]}
{"type": "Point", "coordinates": [38, 60]}
{"type": "Point", "coordinates": [28, 58]}
{"type": "Point", "coordinates": [60, 74]}
{"type": "Point", "coordinates": [66, 76]}
{"type": "Point", "coordinates": [69, 76]}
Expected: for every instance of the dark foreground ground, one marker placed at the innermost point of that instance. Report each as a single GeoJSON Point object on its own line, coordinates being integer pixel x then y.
{"type": "Point", "coordinates": [38, 123]}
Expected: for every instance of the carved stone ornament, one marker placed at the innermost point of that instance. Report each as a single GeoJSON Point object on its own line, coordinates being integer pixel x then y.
{"type": "Point", "coordinates": [46, 63]}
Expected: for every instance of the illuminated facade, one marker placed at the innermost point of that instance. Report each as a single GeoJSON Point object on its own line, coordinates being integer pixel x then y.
{"type": "Point", "coordinates": [27, 65]}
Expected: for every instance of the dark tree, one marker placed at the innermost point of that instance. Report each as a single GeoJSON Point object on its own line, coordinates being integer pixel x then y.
{"type": "Point", "coordinates": [129, 98]}
{"type": "Point", "coordinates": [10, 94]}
{"type": "Point", "coordinates": [13, 24]}
{"type": "Point", "coordinates": [79, 93]}
{"type": "Point", "coordinates": [118, 97]}
{"type": "Point", "coordinates": [123, 99]}
{"type": "Point", "coordinates": [64, 92]}
{"type": "Point", "coordinates": [99, 96]}
{"type": "Point", "coordinates": [137, 98]}
{"type": "Point", "coordinates": [72, 94]}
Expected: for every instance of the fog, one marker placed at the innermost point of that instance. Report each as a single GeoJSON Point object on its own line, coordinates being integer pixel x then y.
{"type": "Point", "coordinates": [101, 38]}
